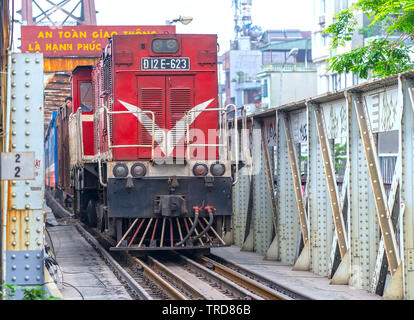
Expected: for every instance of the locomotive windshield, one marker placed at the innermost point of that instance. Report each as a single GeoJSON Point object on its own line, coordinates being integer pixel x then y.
{"type": "Point", "coordinates": [86, 96]}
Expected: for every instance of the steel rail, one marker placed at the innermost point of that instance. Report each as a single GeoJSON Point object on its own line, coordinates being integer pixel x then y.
{"type": "Point", "coordinates": [233, 282]}
{"type": "Point", "coordinates": [238, 291]}
{"type": "Point", "coordinates": [185, 287]}
{"type": "Point", "coordinates": [245, 282]}
{"type": "Point", "coordinates": [259, 278]}
{"type": "Point", "coordinates": [158, 280]}
{"type": "Point", "coordinates": [152, 276]}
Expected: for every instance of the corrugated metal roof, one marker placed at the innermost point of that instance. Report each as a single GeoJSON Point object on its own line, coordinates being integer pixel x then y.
{"type": "Point", "coordinates": [331, 96]}
{"type": "Point", "coordinates": [301, 44]}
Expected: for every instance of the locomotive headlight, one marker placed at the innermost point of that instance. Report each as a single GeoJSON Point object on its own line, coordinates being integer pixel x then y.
{"type": "Point", "coordinates": [217, 169]}
{"type": "Point", "coordinates": [120, 170]}
{"type": "Point", "coordinates": [164, 45]}
{"type": "Point", "coordinates": [138, 170]}
{"type": "Point", "coordinates": [157, 45]}
{"type": "Point", "coordinates": [171, 44]}
{"type": "Point", "coordinates": [200, 169]}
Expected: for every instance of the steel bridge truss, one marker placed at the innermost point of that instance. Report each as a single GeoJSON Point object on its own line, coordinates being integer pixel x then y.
{"type": "Point", "coordinates": [58, 12]}
{"type": "Point", "coordinates": [354, 226]}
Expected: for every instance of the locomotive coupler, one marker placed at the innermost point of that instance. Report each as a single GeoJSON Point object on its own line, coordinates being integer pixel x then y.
{"type": "Point", "coordinates": [130, 183]}
{"type": "Point", "coordinates": [209, 182]}
{"type": "Point", "coordinates": [172, 206]}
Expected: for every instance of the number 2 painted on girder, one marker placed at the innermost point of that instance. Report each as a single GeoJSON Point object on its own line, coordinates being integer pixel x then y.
{"type": "Point", "coordinates": [17, 168]}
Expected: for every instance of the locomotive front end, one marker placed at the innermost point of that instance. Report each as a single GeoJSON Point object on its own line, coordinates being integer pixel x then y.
{"type": "Point", "coordinates": [161, 144]}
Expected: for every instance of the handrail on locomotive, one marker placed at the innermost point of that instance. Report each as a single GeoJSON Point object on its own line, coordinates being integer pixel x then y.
{"type": "Point", "coordinates": [223, 134]}
{"type": "Point", "coordinates": [110, 146]}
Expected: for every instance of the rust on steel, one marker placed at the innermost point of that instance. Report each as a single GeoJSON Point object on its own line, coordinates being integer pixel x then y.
{"type": "Point", "coordinates": [269, 179]}
{"type": "Point", "coordinates": [176, 280]}
{"type": "Point", "coordinates": [66, 64]}
{"type": "Point", "coordinates": [158, 280]}
{"type": "Point", "coordinates": [383, 212]}
{"type": "Point", "coordinates": [330, 179]}
{"type": "Point", "coordinates": [245, 282]}
{"type": "Point", "coordinates": [296, 180]}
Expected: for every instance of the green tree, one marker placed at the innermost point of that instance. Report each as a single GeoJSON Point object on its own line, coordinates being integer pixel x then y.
{"type": "Point", "coordinates": [29, 292]}
{"type": "Point", "coordinates": [381, 56]}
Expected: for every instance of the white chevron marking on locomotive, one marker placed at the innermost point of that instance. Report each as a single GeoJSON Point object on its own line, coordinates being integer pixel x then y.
{"type": "Point", "coordinates": [178, 130]}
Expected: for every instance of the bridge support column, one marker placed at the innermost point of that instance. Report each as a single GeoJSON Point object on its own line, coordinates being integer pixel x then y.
{"type": "Point", "coordinates": [22, 211]}
{"type": "Point", "coordinates": [288, 217]}
{"type": "Point", "coordinates": [303, 262]}
{"type": "Point", "coordinates": [324, 202]}
{"type": "Point", "coordinates": [407, 187]}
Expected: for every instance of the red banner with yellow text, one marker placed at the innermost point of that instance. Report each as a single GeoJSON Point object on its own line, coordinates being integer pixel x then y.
{"type": "Point", "coordinates": [79, 41]}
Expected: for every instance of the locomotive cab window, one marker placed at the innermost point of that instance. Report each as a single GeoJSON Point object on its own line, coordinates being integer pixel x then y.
{"type": "Point", "coordinates": [164, 45]}
{"type": "Point", "coordinates": [85, 96]}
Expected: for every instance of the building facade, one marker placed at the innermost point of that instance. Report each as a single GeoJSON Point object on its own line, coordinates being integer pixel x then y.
{"type": "Point", "coordinates": [324, 12]}
{"type": "Point", "coordinates": [240, 68]}
{"type": "Point", "coordinates": [252, 68]}
{"type": "Point", "coordinates": [284, 83]}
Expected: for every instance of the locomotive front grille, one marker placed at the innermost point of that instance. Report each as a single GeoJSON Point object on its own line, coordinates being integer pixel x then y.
{"type": "Point", "coordinates": [180, 102]}
{"type": "Point", "coordinates": [151, 99]}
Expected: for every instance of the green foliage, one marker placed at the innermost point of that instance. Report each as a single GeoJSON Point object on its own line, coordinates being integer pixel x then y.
{"type": "Point", "coordinates": [376, 29]}
{"type": "Point", "coordinates": [8, 293]}
{"type": "Point", "coordinates": [381, 56]}
{"type": "Point", "coordinates": [340, 156]}
{"type": "Point", "coordinates": [36, 293]}
{"type": "Point", "coordinates": [343, 29]}
{"type": "Point", "coordinates": [29, 293]}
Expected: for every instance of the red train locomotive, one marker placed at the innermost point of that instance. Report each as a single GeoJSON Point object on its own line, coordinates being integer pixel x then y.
{"type": "Point", "coordinates": [149, 159]}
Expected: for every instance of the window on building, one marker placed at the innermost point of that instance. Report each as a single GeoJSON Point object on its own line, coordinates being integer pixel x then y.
{"type": "Point", "coordinates": [334, 82]}
{"type": "Point", "coordinates": [344, 4]}
{"type": "Point", "coordinates": [337, 5]}
{"type": "Point", "coordinates": [264, 89]}
{"type": "Point", "coordinates": [355, 79]}
{"type": "Point", "coordinates": [323, 7]}
{"type": "Point", "coordinates": [266, 57]}
{"type": "Point", "coordinates": [324, 40]}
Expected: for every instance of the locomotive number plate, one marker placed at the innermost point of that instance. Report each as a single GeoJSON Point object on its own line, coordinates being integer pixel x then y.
{"type": "Point", "coordinates": [165, 63]}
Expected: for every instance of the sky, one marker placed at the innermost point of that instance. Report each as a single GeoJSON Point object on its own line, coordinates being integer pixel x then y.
{"type": "Point", "coordinates": [209, 16]}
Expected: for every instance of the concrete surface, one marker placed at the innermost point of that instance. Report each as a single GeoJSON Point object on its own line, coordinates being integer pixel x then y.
{"type": "Point", "coordinates": [83, 268]}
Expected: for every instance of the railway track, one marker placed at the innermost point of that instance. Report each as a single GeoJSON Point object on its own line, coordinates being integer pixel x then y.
{"type": "Point", "coordinates": [174, 276]}
{"type": "Point", "coordinates": [179, 277]}
{"type": "Point", "coordinates": [250, 278]}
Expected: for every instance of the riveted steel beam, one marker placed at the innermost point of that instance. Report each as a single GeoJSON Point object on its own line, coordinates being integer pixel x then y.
{"type": "Point", "coordinates": [296, 181]}
{"type": "Point", "coordinates": [380, 199]}
{"type": "Point", "coordinates": [288, 217]}
{"type": "Point", "coordinates": [378, 283]}
{"type": "Point", "coordinates": [319, 211]}
{"type": "Point", "coordinates": [407, 185]}
{"type": "Point", "coordinates": [331, 182]}
{"type": "Point", "coordinates": [362, 221]}
{"type": "Point", "coordinates": [262, 219]}
{"type": "Point", "coordinates": [273, 250]}
{"type": "Point", "coordinates": [269, 179]}
{"type": "Point", "coordinates": [22, 212]}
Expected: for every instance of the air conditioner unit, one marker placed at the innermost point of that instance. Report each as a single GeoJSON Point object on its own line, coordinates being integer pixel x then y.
{"type": "Point", "coordinates": [321, 20]}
